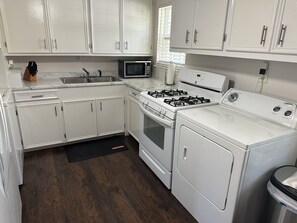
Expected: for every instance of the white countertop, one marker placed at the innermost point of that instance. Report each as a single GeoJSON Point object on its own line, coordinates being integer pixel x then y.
{"type": "Point", "coordinates": [52, 80]}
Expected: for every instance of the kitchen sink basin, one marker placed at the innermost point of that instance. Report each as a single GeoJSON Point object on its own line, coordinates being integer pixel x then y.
{"type": "Point", "coordinates": [78, 80]}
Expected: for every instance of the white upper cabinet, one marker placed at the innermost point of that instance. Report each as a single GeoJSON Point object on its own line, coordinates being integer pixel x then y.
{"type": "Point", "coordinates": [68, 26]}
{"type": "Point", "coordinates": [25, 26]}
{"type": "Point", "coordinates": [198, 24]}
{"type": "Point", "coordinates": [251, 25]}
{"type": "Point", "coordinates": [209, 24]}
{"type": "Point", "coordinates": [121, 26]}
{"type": "Point", "coordinates": [137, 17]}
{"type": "Point", "coordinates": [183, 13]}
{"type": "Point", "coordinates": [105, 21]}
{"type": "Point", "coordinates": [45, 26]}
{"type": "Point", "coordinates": [285, 36]}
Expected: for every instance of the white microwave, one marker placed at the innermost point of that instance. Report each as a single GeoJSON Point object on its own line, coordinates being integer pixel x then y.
{"type": "Point", "coordinates": [130, 69]}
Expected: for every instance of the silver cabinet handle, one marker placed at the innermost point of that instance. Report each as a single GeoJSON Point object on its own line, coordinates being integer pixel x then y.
{"type": "Point", "coordinates": [134, 94]}
{"type": "Point", "coordinates": [118, 45]}
{"type": "Point", "coordinates": [100, 106]}
{"type": "Point", "coordinates": [185, 152]}
{"type": "Point", "coordinates": [91, 106]}
{"type": "Point", "coordinates": [37, 96]}
{"type": "Point", "coordinates": [195, 36]}
{"type": "Point", "coordinates": [56, 44]}
{"type": "Point", "coordinates": [126, 45]}
{"type": "Point", "coordinates": [264, 35]}
{"type": "Point", "coordinates": [56, 113]}
{"type": "Point", "coordinates": [282, 35]}
{"type": "Point", "coordinates": [44, 42]}
{"type": "Point", "coordinates": [187, 36]}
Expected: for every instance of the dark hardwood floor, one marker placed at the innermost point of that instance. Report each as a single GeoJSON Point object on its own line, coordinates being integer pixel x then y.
{"type": "Point", "coordinates": [113, 188]}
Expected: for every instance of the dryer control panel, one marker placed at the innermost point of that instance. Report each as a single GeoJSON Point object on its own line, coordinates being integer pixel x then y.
{"type": "Point", "coordinates": [273, 109]}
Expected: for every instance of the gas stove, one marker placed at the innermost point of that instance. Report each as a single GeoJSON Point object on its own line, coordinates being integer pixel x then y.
{"type": "Point", "coordinates": [196, 88]}
{"type": "Point", "coordinates": [158, 114]}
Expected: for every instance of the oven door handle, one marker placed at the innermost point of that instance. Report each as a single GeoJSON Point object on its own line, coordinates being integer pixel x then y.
{"type": "Point", "coordinates": [161, 120]}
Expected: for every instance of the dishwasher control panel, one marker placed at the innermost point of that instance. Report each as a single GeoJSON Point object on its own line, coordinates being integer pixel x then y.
{"type": "Point", "coordinates": [35, 95]}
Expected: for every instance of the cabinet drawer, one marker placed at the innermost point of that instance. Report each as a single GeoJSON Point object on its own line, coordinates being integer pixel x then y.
{"type": "Point", "coordinates": [21, 96]}
{"type": "Point", "coordinates": [134, 93]}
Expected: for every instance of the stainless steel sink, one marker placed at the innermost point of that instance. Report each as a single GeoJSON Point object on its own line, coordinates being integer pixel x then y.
{"type": "Point", "coordinates": [79, 80]}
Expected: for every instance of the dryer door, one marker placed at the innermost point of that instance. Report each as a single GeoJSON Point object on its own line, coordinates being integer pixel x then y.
{"type": "Point", "coordinates": [205, 165]}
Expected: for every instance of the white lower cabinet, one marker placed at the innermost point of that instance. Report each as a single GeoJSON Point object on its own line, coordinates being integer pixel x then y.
{"type": "Point", "coordinates": [110, 115]}
{"type": "Point", "coordinates": [80, 119]}
{"type": "Point", "coordinates": [68, 115]}
{"type": "Point", "coordinates": [40, 123]}
{"type": "Point", "coordinates": [134, 114]}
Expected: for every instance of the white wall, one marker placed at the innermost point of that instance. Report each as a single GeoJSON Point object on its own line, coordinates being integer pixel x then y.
{"type": "Point", "coordinates": [68, 64]}
{"type": "Point", "coordinates": [282, 77]}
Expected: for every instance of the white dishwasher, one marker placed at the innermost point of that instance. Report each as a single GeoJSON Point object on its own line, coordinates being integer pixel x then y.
{"type": "Point", "coordinates": [224, 155]}
{"type": "Point", "coordinates": [40, 118]}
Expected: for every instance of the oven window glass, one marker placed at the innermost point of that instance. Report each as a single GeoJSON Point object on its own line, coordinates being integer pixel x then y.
{"type": "Point", "coordinates": [154, 131]}
{"type": "Point", "coordinates": [135, 69]}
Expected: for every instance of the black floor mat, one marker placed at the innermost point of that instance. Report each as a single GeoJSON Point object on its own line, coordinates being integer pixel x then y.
{"type": "Point", "coordinates": [101, 147]}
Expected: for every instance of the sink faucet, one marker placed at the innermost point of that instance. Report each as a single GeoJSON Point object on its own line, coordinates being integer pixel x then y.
{"type": "Point", "coordinates": [100, 73]}
{"type": "Point", "coordinates": [87, 72]}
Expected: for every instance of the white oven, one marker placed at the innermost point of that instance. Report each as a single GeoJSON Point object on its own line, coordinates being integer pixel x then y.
{"type": "Point", "coordinates": [156, 142]}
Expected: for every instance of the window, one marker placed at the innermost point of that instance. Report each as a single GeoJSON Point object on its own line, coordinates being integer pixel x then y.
{"type": "Point", "coordinates": [164, 27]}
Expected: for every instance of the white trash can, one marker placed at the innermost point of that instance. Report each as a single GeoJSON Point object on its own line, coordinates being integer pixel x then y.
{"type": "Point", "coordinates": [283, 190]}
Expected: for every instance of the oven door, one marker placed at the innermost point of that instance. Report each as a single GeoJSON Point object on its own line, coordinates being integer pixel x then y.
{"type": "Point", "coordinates": [156, 136]}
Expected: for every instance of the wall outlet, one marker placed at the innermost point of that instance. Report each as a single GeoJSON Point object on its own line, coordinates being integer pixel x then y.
{"type": "Point", "coordinates": [263, 73]}
{"type": "Point", "coordinates": [263, 78]}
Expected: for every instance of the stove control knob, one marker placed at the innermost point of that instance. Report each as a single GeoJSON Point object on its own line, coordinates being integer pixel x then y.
{"type": "Point", "coordinates": [276, 108]}
{"type": "Point", "coordinates": [288, 113]}
{"type": "Point", "coordinates": [233, 97]}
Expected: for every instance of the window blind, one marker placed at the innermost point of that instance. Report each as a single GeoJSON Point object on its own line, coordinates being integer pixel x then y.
{"type": "Point", "coordinates": [163, 44]}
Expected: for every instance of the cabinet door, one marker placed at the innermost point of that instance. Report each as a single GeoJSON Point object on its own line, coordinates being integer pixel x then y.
{"type": "Point", "coordinates": [286, 29]}
{"type": "Point", "coordinates": [182, 23]}
{"type": "Point", "coordinates": [24, 25]}
{"type": "Point", "coordinates": [134, 118]}
{"type": "Point", "coordinates": [80, 119]}
{"type": "Point", "coordinates": [68, 26]}
{"type": "Point", "coordinates": [41, 124]}
{"type": "Point", "coordinates": [105, 22]}
{"type": "Point", "coordinates": [209, 24]}
{"type": "Point", "coordinates": [251, 25]}
{"type": "Point", "coordinates": [137, 20]}
{"type": "Point", "coordinates": [110, 116]}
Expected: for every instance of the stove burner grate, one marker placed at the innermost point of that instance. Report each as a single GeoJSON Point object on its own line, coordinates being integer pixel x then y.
{"type": "Point", "coordinates": [184, 101]}
{"type": "Point", "coordinates": [194, 100]}
{"type": "Point", "coordinates": [156, 94]}
{"type": "Point", "coordinates": [175, 102]}
{"type": "Point", "coordinates": [165, 93]}
{"type": "Point", "coordinates": [176, 92]}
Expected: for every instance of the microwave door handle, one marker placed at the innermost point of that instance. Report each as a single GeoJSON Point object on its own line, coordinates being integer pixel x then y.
{"type": "Point", "coordinates": [156, 118]}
